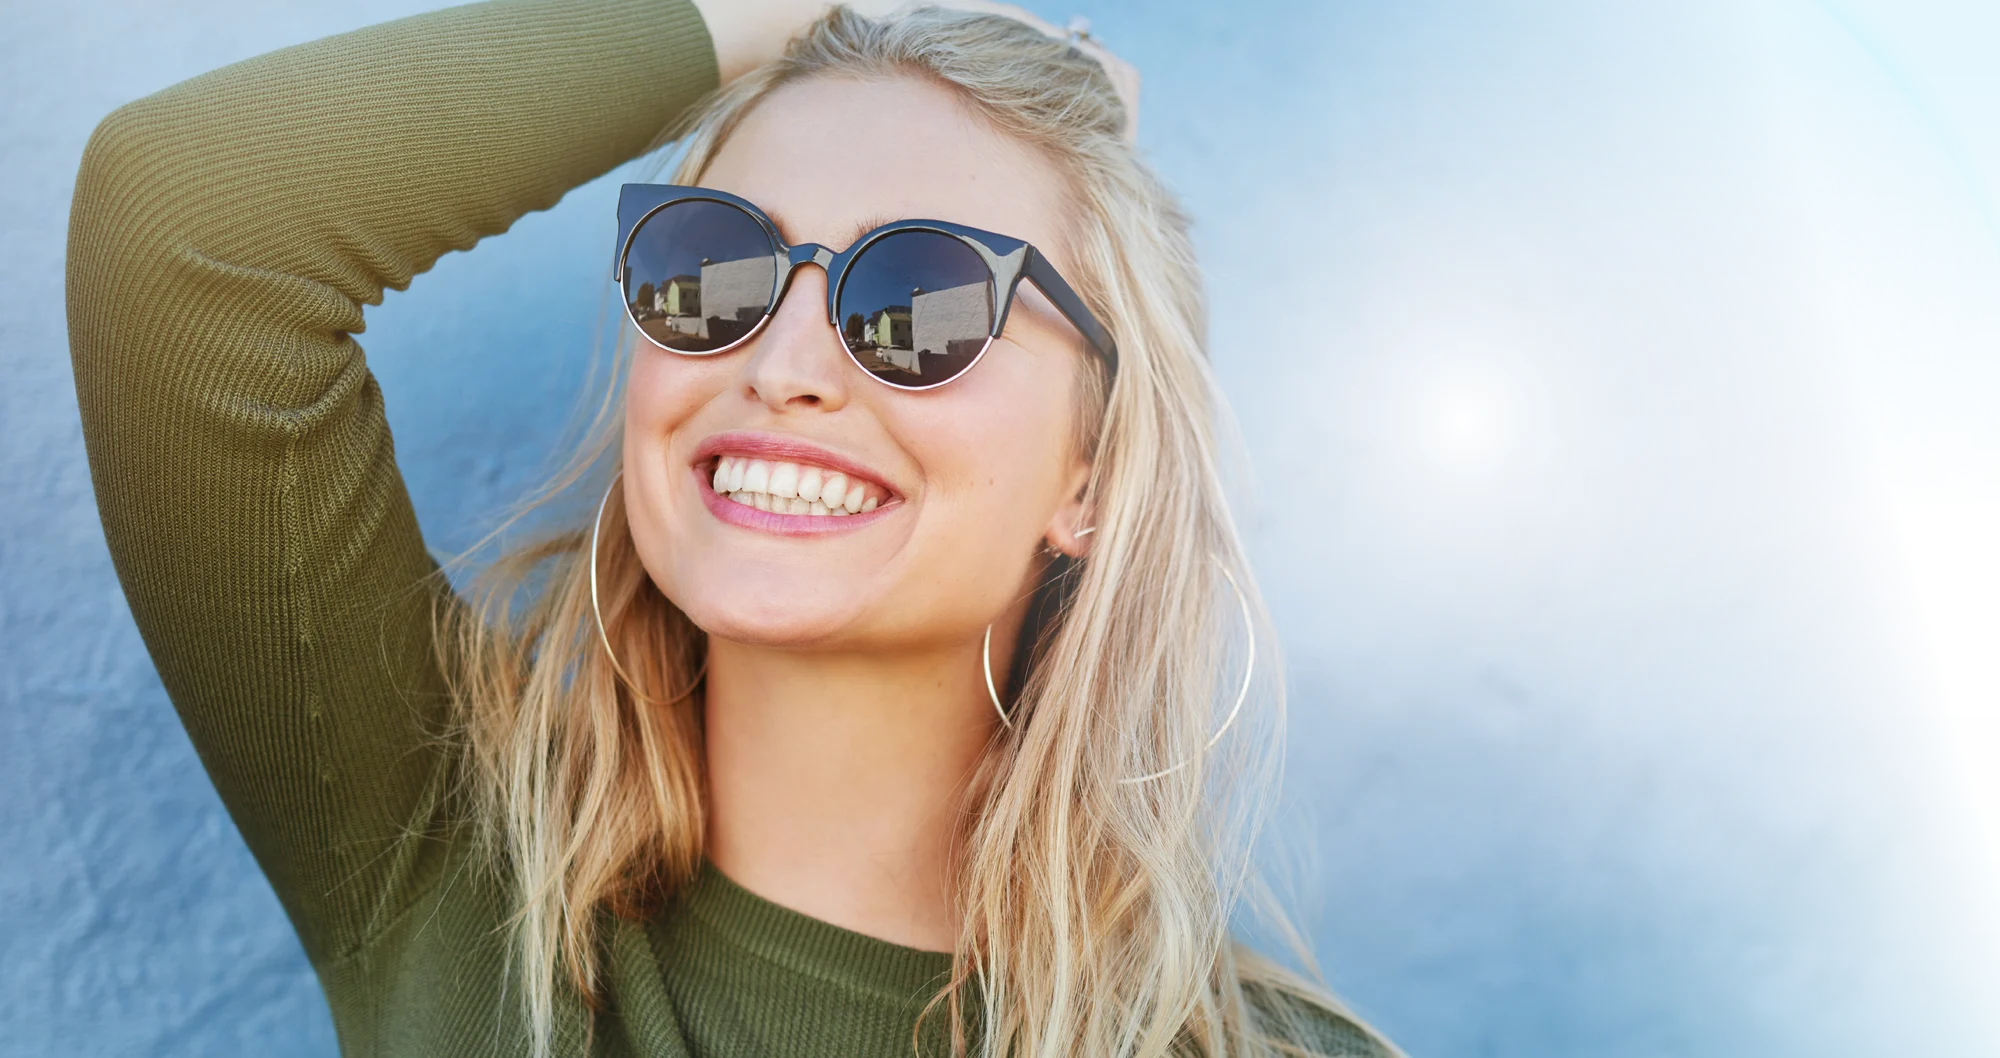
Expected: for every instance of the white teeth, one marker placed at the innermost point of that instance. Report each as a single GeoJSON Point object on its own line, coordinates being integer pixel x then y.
{"type": "Point", "coordinates": [833, 488]}
{"type": "Point", "coordinates": [758, 477]}
{"type": "Point", "coordinates": [791, 488]}
{"type": "Point", "coordinates": [784, 480]}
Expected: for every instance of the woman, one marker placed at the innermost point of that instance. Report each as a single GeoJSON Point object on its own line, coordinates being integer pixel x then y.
{"type": "Point", "coordinates": [743, 778]}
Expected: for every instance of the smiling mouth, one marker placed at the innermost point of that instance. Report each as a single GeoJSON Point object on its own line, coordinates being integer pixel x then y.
{"type": "Point", "coordinates": [783, 487]}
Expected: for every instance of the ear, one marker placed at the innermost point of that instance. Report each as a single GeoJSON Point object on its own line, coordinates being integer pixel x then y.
{"type": "Point", "coordinates": [1073, 521]}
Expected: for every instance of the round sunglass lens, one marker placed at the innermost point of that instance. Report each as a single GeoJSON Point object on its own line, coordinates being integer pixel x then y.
{"type": "Point", "coordinates": [699, 275]}
{"type": "Point", "coordinates": [916, 308]}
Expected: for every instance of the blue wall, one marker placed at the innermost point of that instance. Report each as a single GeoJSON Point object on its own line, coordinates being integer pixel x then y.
{"type": "Point", "coordinates": [1622, 472]}
{"type": "Point", "coordinates": [1943, 55]}
{"type": "Point", "coordinates": [1979, 743]}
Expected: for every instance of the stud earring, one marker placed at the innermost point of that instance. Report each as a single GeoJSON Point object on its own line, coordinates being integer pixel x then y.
{"type": "Point", "coordinates": [1054, 553]}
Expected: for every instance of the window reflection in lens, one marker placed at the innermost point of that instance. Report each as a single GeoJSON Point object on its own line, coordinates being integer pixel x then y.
{"type": "Point", "coordinates": [699, 275]}
{"type": "Point", "coordinates": [916, 307]}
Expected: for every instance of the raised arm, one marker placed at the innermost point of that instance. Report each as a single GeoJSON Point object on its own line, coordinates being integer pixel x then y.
{"type": "Point", "coordinates": [224, 237]}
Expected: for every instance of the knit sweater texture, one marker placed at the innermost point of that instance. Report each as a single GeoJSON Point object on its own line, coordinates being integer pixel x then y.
{"type": "Point", "coordinates": [225, 235]}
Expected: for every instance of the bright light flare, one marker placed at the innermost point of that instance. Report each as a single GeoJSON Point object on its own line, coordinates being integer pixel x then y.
{"type": "Point", "coordinates": [1467, 425]}
{"type": "Point", "coordinates": [1955, 557]}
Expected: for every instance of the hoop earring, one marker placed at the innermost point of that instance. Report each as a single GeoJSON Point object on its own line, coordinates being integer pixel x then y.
{"type": "Point", "coordinates": [604, 638]}
{"type": "Point", "coordinates": [992, 694]}
{"type": "Point", "coordinates": [1242, 693]}
{"type": "Point", "coordinates": [1235, 710]}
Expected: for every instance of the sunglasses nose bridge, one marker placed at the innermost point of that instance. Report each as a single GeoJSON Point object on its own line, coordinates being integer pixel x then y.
{"type": "Point", "coordinates": [812, 253]}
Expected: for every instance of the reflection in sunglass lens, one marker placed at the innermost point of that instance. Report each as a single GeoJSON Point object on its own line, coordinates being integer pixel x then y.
{"type": "Point", "coordinates": [699, 275]}
{"type": "Point", "coordinates": [916, 307]}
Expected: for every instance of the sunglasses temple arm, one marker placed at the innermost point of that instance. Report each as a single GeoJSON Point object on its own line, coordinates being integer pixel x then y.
{"type": "Point", "coordinates": [1040, 272]}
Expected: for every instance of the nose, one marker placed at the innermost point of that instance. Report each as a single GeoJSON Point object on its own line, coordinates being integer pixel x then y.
{"type": "Point", "coordinates": [798, 361]}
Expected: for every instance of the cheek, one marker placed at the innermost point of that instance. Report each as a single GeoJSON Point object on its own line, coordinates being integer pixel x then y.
{"type": "Point", "coordinates": [663, 391]}
{"type": "Point", "coordinates": [997, 455]}
{"type": "Point", "coordinates": [665, 398]}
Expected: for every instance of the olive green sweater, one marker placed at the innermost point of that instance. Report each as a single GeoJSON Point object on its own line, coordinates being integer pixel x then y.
{"type": "Point", "coordinates": [224, 237]}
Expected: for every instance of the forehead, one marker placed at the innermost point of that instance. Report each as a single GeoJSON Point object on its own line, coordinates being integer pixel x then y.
{"type": "Point", "coordinates": [830, 158]}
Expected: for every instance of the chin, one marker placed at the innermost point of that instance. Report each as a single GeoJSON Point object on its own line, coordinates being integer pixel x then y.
{"type": "Point", "coordinates": [770, 608]}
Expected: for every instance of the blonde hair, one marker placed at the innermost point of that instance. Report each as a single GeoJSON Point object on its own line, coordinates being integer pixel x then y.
{"type": "Point", "coordinates": [1095, 910]}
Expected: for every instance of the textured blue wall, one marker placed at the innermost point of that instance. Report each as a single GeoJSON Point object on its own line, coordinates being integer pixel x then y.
{"type": "Point", "coordinates": [1604, 470]}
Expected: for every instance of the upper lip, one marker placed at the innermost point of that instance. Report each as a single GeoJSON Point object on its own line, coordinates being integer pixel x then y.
{"type": "Point", "coordinates": [786, 449]}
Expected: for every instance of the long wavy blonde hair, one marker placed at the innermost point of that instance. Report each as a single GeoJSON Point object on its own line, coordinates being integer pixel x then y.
{"type": "Point", "coordinates": [1095, 909]}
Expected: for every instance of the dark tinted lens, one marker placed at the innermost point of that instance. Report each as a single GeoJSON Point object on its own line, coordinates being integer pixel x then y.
{"type": "Point", "coordinates": [916, 307]}
{"type": "Point", "coordinates": [698, 275]}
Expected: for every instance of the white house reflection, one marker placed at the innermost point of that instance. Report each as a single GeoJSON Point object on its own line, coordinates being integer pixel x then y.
{"type": "Point", "coordinates": [706, 311]}
{"type": "Point", "coordinates": [933, 336]}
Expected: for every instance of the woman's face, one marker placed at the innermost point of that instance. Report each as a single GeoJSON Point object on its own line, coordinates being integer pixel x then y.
{"type": "Point", "coordinates": [967, 480]}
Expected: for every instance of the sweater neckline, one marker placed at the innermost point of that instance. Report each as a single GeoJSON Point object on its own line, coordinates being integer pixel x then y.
{"type": "Point", "coordinates": [809, 946]}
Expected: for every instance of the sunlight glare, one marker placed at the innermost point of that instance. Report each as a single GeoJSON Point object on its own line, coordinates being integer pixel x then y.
{"type": "Point", "coordinates": [1467, 424]}
{"type": "Point", "coordinates": [1955, 559]}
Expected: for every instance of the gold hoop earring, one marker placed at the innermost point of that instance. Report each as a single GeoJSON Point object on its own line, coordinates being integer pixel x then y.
{"type": "Point", "coordinates": [1235, 710]}
{"type": "Point", "coordinates": [603, 637]}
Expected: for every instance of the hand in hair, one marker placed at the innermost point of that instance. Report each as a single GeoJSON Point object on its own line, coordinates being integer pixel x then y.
{"type": "Point", "coordinates": [749, 33]}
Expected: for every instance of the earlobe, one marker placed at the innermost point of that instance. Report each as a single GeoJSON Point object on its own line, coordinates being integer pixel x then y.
{"type": "Point", "coordinates": [1074, 519]}
{"type": "Point", "coordinates": [1076, 545]}
{"type": "Point", "coordinates": [1070, 532]}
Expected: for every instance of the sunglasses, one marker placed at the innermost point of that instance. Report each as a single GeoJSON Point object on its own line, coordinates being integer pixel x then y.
{"type": "Point", "coordinates": [916, 302]}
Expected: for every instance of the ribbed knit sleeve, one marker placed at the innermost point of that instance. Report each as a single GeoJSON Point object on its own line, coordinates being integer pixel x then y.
{"type": "Point", "coordinates": [224, 236]}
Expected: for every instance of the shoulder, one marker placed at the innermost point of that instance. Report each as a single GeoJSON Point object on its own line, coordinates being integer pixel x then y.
{"type": "Point", "coordinates": [1304, 1021]}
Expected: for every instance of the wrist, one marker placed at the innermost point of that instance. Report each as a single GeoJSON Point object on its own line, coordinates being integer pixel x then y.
{"type": "Point", "coordinates": [748, 33]}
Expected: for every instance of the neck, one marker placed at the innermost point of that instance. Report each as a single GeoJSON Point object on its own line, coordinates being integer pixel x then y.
{"type": "Point", "coordinates": [836, 780]}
